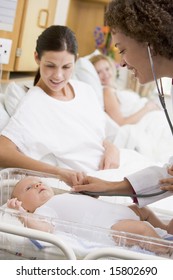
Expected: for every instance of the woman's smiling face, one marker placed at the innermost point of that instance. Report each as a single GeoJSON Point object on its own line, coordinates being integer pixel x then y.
{"type": "Point", "coordinates": [105, 72]}
{"type": "Point", "coordinates": [134, 55]}
{"type": "Point", "coordinates": [56, 68]}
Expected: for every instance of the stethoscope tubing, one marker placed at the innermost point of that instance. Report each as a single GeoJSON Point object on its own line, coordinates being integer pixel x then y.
{"type": "Point", "coordinates": [125, 195]}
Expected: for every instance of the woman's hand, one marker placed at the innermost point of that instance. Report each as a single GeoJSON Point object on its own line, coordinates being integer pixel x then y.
{"type": "Point", "coordinates": [151, 106]}
{"type": "Point", "coordinates": [14, 203]}
{"type": "Point", "coordinates": [111, 157]}
{"type": "Point", "coordinates": [71, 177]}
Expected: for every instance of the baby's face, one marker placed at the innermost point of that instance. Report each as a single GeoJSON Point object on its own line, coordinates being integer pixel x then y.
{"type": "Point", "coordinates": [32, 192]}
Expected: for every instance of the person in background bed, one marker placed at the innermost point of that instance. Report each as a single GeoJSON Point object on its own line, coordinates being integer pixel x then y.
{"type": "Point", "coordinates": [31, 195]}
{"type": "Point", "coordinates": [139, 125]}
{"type": "Point", "coordinates": [58, 127]}
{"type": "Point", "coordinates": [105, 69]}
{"type": "Point", "coordinates": [142, 31]}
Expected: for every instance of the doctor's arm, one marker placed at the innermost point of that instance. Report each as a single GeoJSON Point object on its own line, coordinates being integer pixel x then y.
{"type": "Point", "coordinates": [94, 184]}
{"type": "Point", "coordinates": [146, 181]}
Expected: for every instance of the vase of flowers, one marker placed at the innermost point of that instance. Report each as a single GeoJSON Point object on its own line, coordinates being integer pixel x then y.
{"type": "Point", "coordinates": [103, 42]}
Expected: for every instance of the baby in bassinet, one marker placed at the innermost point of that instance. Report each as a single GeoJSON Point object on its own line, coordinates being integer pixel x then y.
{"type": "Point", "coordinates": [30, 194]}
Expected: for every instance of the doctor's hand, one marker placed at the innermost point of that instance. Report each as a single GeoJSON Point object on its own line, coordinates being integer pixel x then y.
{"type": "Point", "coordinates": [170, 170]}
{"type": "Point", "coordinates": [168, 181]}
{"type": "Point", "coordinates": [92, 184]}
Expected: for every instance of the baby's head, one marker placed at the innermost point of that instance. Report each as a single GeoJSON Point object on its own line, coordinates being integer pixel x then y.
{"type": "Point", "coordinates": [32, 192]}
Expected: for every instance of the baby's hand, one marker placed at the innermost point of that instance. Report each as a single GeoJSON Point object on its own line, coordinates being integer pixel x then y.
{"type": "Point", "coordinates": [14, 203]}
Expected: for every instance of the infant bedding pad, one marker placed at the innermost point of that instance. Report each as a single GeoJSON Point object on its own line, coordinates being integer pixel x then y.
{"type": "Point", "coordinates": [23, 244]}
{"type": "Point", "coordinates": [82, 240]}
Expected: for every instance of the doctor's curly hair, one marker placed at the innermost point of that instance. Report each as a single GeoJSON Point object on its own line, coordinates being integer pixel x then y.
{"type": "Point", "coordinates": [145, 21]}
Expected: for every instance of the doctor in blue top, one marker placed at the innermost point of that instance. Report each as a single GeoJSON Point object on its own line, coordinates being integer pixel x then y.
{"type": "Point", "coordinates": [142, 30]}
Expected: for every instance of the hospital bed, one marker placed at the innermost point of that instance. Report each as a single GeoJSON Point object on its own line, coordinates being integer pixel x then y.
{"type": "Point", "coordinates": [150, 136]}
{"type": "Point", "coordinates": [74, 241]}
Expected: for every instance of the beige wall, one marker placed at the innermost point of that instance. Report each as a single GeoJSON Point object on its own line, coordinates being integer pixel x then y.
{"type": "Point", "coordinates": [61, 12]}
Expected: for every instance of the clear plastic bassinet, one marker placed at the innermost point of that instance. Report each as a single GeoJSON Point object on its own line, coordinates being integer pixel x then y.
{"type": "Point", "coordinates": [73, 240]}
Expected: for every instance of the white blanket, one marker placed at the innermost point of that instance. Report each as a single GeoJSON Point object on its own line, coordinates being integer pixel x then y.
{"type": "Point", "coordinates": [151, 136]}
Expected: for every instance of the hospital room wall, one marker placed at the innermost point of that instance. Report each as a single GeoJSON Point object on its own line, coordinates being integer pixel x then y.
{"type": "Point", "coordinates": [21, 23]}
{"type": "Point", "coordinates": [82, 16]}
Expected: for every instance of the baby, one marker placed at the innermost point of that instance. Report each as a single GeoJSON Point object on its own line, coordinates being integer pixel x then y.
{"type": "Point", "coordinates": [30, 194]}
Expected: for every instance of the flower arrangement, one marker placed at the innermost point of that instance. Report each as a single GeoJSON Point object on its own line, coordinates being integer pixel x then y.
{"type": "Point", "coordinates": [103, 42]}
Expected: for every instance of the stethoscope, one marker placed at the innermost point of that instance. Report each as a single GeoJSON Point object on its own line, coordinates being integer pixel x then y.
{"type": "Point", "coordinates": [159, 90]}
{"type": "Point", "coordinates": [95, 194]}
{"type": "Point", "coordinates": [162, 101]}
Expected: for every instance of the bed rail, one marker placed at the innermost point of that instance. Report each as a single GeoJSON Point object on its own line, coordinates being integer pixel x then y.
{"type": "Point", "coordinates": [43, 236]}
{"type": "Point", "coordinates": [122, 254]}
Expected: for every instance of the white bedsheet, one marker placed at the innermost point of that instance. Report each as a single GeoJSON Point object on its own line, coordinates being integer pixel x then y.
{"type": "Point", "coordinates": [151, 136]}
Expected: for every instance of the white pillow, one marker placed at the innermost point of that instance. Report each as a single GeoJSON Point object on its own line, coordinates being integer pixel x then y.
{"type": "Point", "coordinates": [4, 117]}
{"type": "Point", "coordinates": [13, 95]}
{"type": "Point", "coordinates": [85, 72]}
{"type": "Point", "coordinates": [96, 52]}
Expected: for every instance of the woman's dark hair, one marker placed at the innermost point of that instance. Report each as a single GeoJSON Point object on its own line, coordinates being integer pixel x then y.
{"type": "Point", "coordinates": [145, 21]}
{"type": "Point", "coordinates": [56, 38]}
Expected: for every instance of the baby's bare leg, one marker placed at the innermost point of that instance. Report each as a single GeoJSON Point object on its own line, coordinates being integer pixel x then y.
{"type": "Point", "coordinates": [136, 227]}
{"type": "Point", "coordinates": [146, 214]}
{"type": "Point", "coordinates": [170, 227]}
{"type": "Point", "coordinates": [140, 228]}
